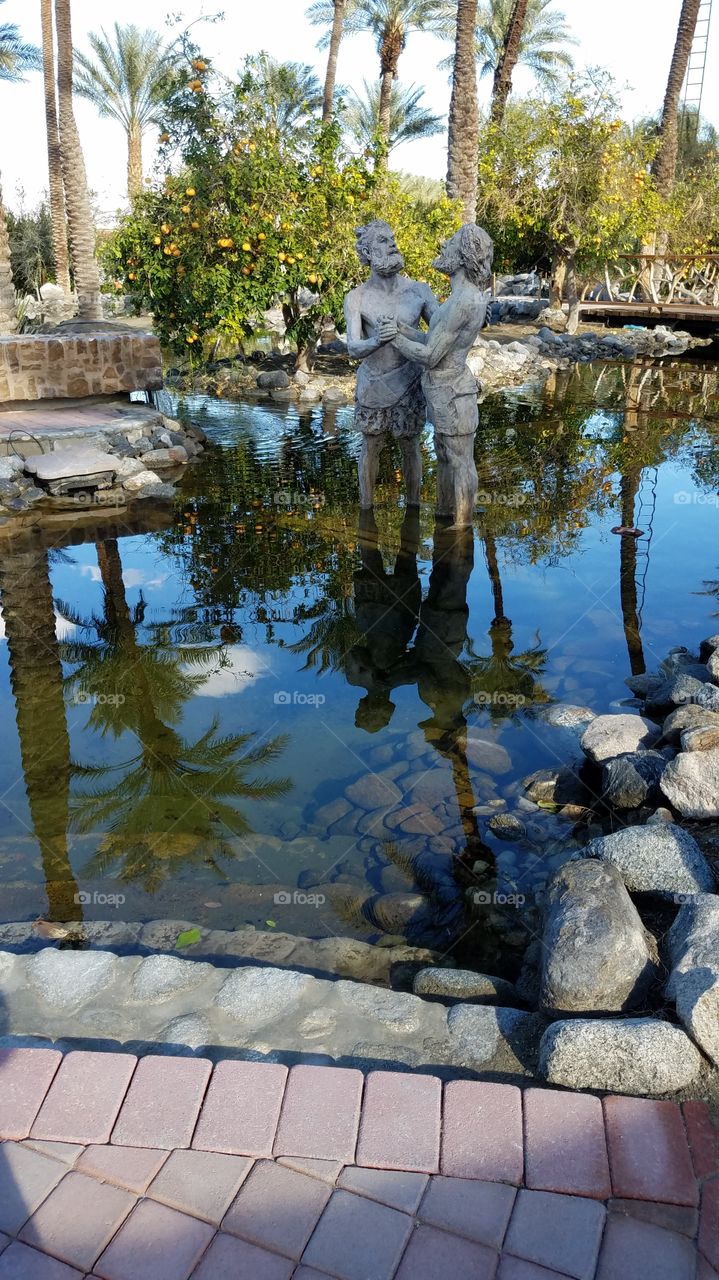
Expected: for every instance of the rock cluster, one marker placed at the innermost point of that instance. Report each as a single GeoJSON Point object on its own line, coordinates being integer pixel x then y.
{"type": "Point", "coordinates": [135, 458]}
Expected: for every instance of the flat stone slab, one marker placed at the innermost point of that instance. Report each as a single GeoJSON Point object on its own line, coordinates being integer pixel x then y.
{"type": "Point", "coordinates": [65, 464]}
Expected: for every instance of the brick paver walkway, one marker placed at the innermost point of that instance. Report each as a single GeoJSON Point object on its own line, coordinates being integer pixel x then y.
{"type": "Point", "coordinates": [165, 1168]}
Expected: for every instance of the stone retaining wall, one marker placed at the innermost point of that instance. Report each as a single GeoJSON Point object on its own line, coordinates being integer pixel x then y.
{"type": "Point", "coordinates": [54, 366]}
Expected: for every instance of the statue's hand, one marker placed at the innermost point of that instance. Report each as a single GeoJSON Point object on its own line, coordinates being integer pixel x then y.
{"type": "Point", "coordinates": [387, 329]}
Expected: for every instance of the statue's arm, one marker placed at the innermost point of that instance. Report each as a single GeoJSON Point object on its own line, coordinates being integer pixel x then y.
{"type": "Point", "coordinates": [439, 341]}
{"type": "Point", "coordinates": [431, 304]}
{"type": "Point", "coordinates": [357, 346]}
{"type": "Point", "coordinates": [414, 335]}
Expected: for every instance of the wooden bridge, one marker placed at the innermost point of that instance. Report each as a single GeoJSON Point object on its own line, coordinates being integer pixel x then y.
{"type": "Point", "coordinates": [657, 288]}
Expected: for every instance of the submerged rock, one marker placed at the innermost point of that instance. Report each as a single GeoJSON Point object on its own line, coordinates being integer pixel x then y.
{"type": "Point", "coordinates": [693, 947]}
{"type": "Point", "coordinates": [622, 1055]}
{"type": "Point", "coordinates": [464, 984]}
{"type": "Point", "coordinates": [258, 996]}
{"type": "Point", "coordinates": [609, 736]}
{"type": "Point", "coordinates": [506, 826]}
{"type": "Point", "coordinates": [597, 956]}
{"type": "Point", "coordinates": [555, 786]}
{"type": "Point", "coordinates": [690, 783]}
{"type": "Point", "coordinates": [658, 858]}
{"type": "Point", "coordinates": [632, 780]}
{"type": "Point", "coordinates": [564, 715]}
{"type": "Point", "coordinates": [65, 979]}
{"type": "Point", "coordinates": [484, 753]}
{"type": "Point", "coordinates": [161, 977]}
{"type": "Point", "coordinates": [374, 791]}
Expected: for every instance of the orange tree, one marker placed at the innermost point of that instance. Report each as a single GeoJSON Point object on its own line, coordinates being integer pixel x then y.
{"type": "Point", "coordinates": [563, 179]}
{"type": "Point", "coordinates": [247, 216]}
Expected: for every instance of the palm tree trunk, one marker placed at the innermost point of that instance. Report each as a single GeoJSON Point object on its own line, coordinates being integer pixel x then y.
{"type": "Point", "coordinates": [134, 160]}
{"type": "Point", "coordinates": [385, 104]}
{"type": "Point", "coordinates": [36, 679]}
{"type": "Point", "coordinates": [8, 313]}
{"type": "Point", "coordinates": [665, 162]}
{"type": "Point", "coordinates": [79, 212]}
{"type": "Point", "coordinates": [390, 51]}
{"type": "Point", "coordinates": [57, 194]}
{"type": "Point", "coordinates": [464, 114]}
{"type": "Point", "coordinates": [331, 76]}
{"type": "Point", "coordinates": [508, 60]}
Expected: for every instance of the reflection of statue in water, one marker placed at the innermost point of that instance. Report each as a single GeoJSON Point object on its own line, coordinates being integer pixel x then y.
{"type": "Point", "coordinates": [389, 398]}
{"type": "Point", "coordinates": [386, 606]}
{"type": "Point", "coordinates": [448, 383]}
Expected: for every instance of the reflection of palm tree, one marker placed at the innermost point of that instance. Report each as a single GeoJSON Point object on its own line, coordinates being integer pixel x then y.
{"type": "Point", "coordinates": [503, 671]}
{"type": "Point", "coordinates": [173, 800]}
{"type": "Point", "coordinates": [36, 676]}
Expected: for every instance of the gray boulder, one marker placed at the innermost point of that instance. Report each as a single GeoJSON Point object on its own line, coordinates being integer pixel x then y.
{"type": "Point", "coordinates": [631, 780]}
{"type": "Point", "coordinates": [705, 738]}
{"type": "Point", "coordinates": [708, 697]}
{"type": "Point", "coordinates": [622, 1055]}
{"type": "Point", "coordinates": [255, 996]}
{"type": "Point", "coordinates": [676, 692]}
{"type": "Point", "coordinates": [66, 979]}
{"type": "Point", "coordinates": [688, 717]}
{"type": "Point", "coordinates": [693, 947]}
{"type": "Point", "coordinates": [708, 646]}
{"type": "Point", "coordinates": [484, 1038]}
{"type": "Point", "coordinates": [273, 380]}
{"type": "Point", "coordinates": [555, 786]}
{"type": "Point", "coordinates": [565, 715]}
{"type": "Point", "coordinates": [690, 783]}
{"type": "Point", "coordinates": [657, 858]}
{"type": "Point", "coordinates": [609, 736]}
{"type": "Point", "coordinates": [162, 977]}
{"type": "Point", "coordinates": [463, 984]}
{"type": "Point", "coordinates": [597, 956]}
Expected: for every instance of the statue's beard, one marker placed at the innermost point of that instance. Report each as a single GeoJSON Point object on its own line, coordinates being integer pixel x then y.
{"type": "Point", "coordinates": [446, 264]}
{"type": "Point", "coordinates": [387, 264]}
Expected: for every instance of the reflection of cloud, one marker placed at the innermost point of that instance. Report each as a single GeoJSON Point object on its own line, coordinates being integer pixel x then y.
{"type": "Point", "coordinates": [240, 667]}
{"type": "Point", "coordinates": [130, 577]}
{"type": "Point", "coordinates": [63, 628]}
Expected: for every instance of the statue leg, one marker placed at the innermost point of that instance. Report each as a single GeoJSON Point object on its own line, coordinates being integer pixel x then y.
{"type": "Point", "coordinates": [412, 468]}
{"type": "Point", "coordinates": [368, 467]}
{"type": "Point", "coordinates": [457, 480]}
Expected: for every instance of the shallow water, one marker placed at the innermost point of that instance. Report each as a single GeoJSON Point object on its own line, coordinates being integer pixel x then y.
{"type": "Point", "coordinates": [254, 709]}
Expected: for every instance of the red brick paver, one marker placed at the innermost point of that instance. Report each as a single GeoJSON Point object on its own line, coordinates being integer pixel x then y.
{"type": "Point", "coordinates": [25, 1077]}
{"type": "Point", "coordinates": [400, 1126]}
{"type": "Point", "coordinates": [398, 1190]}
{"type": "Point", "coordinates": [709, 1222]}
{"type": "Point", "coordinates": [482, 1133]}
{"type": "Point", "coordinates": [129, 1167]}
{"type": "Point", "coordinates": [162, 1103]}
{"type": "Point", "coordinates": [565, 1146]}
{"type": "Point", "coordinates": [648, 1151]}
{"type": "Point", "coordinates": [277, 1208]}
{"type": "Point", "coordinates": [85, 1097]}
{"type": "Point", "coordinates": [155, 1243]}
{"type": "Point", "coordinates": [202, 1183]}
{"type": "Point", "coordinates": [357, 1239]}
{"type": "Point", "coordinates": [242, 1107]}
{"type": "Point", "coordinates": [433, 1254]}
{"type": "Point", "coordinates": [26, 1178]}
{"type": "Point", "coordinates": [21, 1263]}
{"type": "Point", "coordinates": [556, 1231]}
{"type": "Point", "coordinates": [320, 1113]}
{"type": "Point", "coordinates": [478, 1210]}
{"type": "Point", "coordinates": [78, 1220]}
{"type": "Point", "coordinates": [703, 1138]}
{"type": "Point", "coordinates": [229, 1257]}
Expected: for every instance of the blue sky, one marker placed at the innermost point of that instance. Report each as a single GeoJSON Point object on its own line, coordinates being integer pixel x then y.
{"type": "Point", "coordinates": [633, 38]}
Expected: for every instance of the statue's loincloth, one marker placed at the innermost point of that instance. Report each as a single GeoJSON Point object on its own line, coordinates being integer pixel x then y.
{"type": "Point", "coordinates": [404, 420]}
{"type": "Point", "coordinates": [452, 406]}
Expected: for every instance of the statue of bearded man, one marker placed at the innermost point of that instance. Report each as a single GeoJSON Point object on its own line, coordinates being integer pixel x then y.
{"type": "Point", "coordinates": [389, 399]}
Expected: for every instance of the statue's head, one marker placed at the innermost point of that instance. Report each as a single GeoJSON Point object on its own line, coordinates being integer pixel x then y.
{"type": "Point", "coordinates": [470, 249]}
{"type": "Point", "coordinates": [377, 248]}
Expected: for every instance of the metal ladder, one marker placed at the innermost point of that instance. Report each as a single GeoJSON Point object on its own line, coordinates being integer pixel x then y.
{"type": "Point", "coordinates": [696, 67]}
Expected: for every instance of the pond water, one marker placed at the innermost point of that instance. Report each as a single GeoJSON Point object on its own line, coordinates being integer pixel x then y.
{"type": "Point", "coordinates": [253, 708]}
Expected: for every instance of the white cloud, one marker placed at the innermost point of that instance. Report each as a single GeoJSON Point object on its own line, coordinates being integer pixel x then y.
{"type": "Point", "coordinates": [241, 666]}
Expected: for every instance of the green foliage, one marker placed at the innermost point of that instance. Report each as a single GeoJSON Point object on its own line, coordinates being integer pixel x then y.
{"type": "Point", "coordinates": [31, 252]}
{"type": "Point", "coordinates": [16, 55]}
{"type": "Point", "coordinates": [127, 76]}
{"type": "Point", "coordinates": [563, 177]}
{"type": "Point", "coordinates": [409, 117]}
{"type": "Point", "coordinates": [542, 48]}
{"type": "Point", "coordinates": [250, 214]}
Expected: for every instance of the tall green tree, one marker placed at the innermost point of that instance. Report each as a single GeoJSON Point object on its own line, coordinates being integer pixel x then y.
{"type": "Point", "coordinates": [665, 161]}
{"type": "Point", "coordinates": [16, 57]}
{"type": "Point", "coordinates": [464, 113]}
{"type": "Point", "coordinates": [77, 195]}
{"type": "Point", "coordinates": [58, 213]}
{"type": "Point", "coordinates": [124, 82]}
{"type": "Point", "coordinates": [285, 96]}
{"type": "Point", "coordinates": [391, 22]}
{"type": "Point", "coordinates": [409, 118]}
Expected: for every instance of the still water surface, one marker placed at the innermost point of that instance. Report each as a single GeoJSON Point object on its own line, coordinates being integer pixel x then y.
{"type": "Point", "coordinates": [252, 707]}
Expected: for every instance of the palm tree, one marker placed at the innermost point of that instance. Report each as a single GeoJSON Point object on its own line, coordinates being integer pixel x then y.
{"type": "Point", "coordinates": [124, 82]}
{"type": "Point", "coordinates": [665, 162]}
{"type": "Point", "coordinates": [508, 59]}
{"type": "Point", "coordinates": [335, 41]}
{"type": "Point", "coordinates": [57, 194]}
{"type": "Point", "coordinates": [287, 94]}
{"type": "Point", "coordinates": [391, 23]}
{"type": "Point", "coordinates": [409, 119]}
{"type": "Point", "coordinates": [16, 57]}
{"type": "Point", "coordinates": [171, 801]}
{"type": "Point", "coordinates": [464, 114]}
{"type": "Point", "coordinates": [79, 212]}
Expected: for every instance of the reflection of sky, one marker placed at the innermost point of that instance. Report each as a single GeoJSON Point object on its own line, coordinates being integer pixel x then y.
{"type": "Point", "coordinates": [237, 668]}
{"type": "Point", "coordinates": [130, 577]}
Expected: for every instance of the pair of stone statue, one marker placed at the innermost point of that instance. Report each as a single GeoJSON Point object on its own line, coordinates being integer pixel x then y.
{"type": "Point", "coordinates": [409, 376]}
